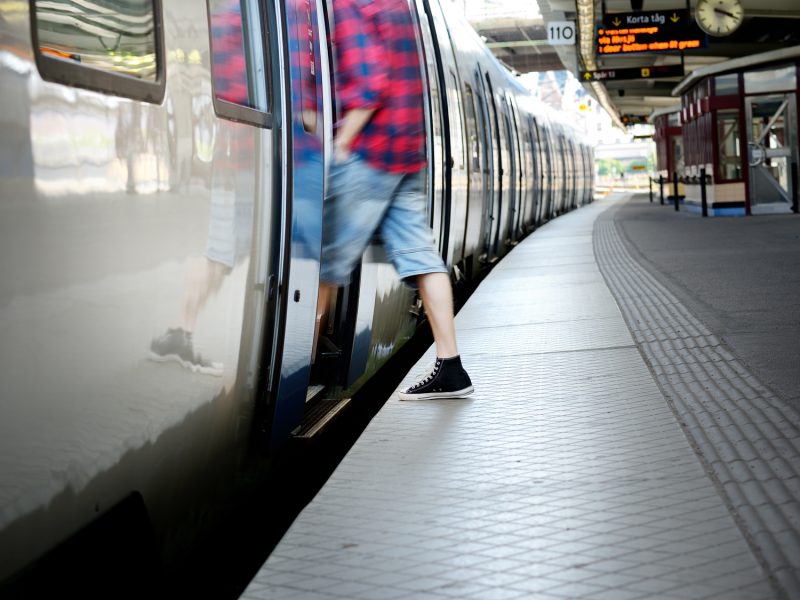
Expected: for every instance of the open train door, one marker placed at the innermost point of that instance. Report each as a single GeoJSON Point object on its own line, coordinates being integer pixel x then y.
{"type": "Point", "coordinates": [294, 286]}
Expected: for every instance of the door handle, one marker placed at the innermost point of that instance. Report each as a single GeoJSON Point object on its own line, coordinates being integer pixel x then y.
{"type": "Point", "coordinates": [759, 160]}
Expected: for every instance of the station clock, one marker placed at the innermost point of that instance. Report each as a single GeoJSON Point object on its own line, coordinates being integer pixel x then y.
{"type": "Point", "coordinates": [719, 17]}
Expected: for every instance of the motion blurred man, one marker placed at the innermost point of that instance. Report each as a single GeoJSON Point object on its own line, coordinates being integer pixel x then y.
{"type": "Point", "coordinates": [377, 180]}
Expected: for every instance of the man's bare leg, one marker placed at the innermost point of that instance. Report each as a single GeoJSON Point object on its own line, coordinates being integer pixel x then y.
{"type": "Point", "coordinates": [437, 298]}
{"type": "Point", "coordinates": [326, 291]}
{"type": "Point", "coordinates": [448, 378]}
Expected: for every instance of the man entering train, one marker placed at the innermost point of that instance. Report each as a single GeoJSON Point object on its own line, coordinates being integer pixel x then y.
{"type": "Point", "coordinates": [377, 178]}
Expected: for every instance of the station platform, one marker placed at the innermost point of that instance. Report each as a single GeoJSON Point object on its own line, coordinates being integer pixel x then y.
{"type": "Point", "coordinates": [615, 447]}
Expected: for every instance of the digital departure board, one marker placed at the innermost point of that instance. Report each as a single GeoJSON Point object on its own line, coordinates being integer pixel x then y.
{"type": "Point", "coordinates": [651, 31]}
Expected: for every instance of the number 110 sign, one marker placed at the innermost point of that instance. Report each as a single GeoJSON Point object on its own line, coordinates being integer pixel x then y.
{"type": "Point", "coordinates": [561, 33]}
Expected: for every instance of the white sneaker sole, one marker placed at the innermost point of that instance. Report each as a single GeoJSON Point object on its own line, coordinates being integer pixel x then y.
{"type": "Point", "coordinates": [437, 395]}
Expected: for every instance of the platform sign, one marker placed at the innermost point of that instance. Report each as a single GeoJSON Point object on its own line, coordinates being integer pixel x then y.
{"type": "Point", "coordinates": [639, 73]}
{"type": "Point", "coordinates": [648, 31]}
{"type": "Point", "coordinates": [561, 33]}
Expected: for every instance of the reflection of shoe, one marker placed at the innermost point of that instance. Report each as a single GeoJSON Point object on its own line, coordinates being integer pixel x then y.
{"type": "Point", "coordinates": [176, 345]}
{"type": "Point", "coordinates": [447, 380]}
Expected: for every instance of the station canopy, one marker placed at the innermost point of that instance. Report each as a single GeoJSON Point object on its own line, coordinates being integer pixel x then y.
{"type": "Point", "coordinates": [629, 54]}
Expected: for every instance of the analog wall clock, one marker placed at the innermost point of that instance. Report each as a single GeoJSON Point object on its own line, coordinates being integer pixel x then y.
{"type": "Point", "coordinates": [719, 17]}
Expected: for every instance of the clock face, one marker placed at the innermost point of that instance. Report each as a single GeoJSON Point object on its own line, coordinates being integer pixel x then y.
{"type": "Point", "coordinates": [719, 17]}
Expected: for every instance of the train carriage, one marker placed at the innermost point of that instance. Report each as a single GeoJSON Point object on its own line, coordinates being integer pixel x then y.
{"type": "Point", "coordinates": [162, 190]}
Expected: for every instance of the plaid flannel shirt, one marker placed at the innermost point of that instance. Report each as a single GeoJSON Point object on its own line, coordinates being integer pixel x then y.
{"type": "Point", "coordinates": [377, 66]}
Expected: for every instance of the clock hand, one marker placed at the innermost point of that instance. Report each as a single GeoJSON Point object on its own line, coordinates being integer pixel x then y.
{"type": "Point", "coordinates": [724, 12]}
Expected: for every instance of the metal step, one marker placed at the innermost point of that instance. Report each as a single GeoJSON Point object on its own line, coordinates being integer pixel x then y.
{"type": "Point", "coordinates": [318, 415]}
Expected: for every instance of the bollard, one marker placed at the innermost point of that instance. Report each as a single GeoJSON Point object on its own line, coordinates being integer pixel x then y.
{"type": "Point", "coordinates": [795, 207]}
{"type": "Point", "coordinates": [675, 188]}
{"type": "Point", "coordinates": [661, 186]}
{"type": "Point", "coordinates": [650, 179]}
{"type": "Point", "coordinates": [703, 199]}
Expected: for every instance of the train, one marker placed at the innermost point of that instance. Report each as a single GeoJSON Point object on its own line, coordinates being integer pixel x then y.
{"type": "Point", "coordinates": [163, 176]}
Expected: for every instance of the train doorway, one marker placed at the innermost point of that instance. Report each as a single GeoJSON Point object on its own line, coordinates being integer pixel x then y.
{"type": "Point", "coordinates": [772, 152]}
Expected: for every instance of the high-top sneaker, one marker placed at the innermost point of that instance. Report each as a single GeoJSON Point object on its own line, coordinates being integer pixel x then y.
{"type": "Point", "coordinates": [447, 380]}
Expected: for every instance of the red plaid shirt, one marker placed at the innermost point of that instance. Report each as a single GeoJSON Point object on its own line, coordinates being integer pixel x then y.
{"type": "Point", "coordinates": [377, 66]}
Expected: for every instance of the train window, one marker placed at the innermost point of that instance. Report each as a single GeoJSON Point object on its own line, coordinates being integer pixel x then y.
{"type": "Point", "coordinates": [472, 128]}
{"type": "Point", "coordinates": [457, 135]}
{"type": "Point", "coordinates": [112, 46]}
{"type": "Point", "coordinates": [238, 61]}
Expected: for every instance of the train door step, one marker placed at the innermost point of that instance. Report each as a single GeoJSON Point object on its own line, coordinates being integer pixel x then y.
{"type": "Point", "coordinates": [318, 414]}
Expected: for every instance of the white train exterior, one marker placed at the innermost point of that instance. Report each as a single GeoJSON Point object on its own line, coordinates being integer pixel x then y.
{"type": "Point", "coordinates": [123, 169]}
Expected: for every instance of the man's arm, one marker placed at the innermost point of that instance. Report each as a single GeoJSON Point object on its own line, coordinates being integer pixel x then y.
{"type": "Point", "coordinates": [354, 121]}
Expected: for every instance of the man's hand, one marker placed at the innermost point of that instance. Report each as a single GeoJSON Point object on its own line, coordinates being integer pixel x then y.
{"type": "Point", "coordinates": [341, 151]}
{"type": "Point", "coordinates": [350, 126]}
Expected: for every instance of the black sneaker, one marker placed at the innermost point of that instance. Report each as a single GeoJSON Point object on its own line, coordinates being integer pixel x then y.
{"type": "Point", "coordinates": [176, 345]}
{"type": "Point", "coordinates": [447, 380]}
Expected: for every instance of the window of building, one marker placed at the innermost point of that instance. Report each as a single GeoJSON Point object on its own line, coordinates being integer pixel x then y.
{"type": "Point", "coordinates": [112, 46]}
{"type": "Point", "coordinates": [730, 162]}
{"type": "Point", "coordinates": [726, 85]}
{"type": "Point", "coordinates": [238, 61]}
{"type": "Point", "coordinates": [770, 80]}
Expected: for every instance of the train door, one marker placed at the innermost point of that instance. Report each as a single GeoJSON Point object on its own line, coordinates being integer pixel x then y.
{"type": "Point", "coordinates": [492, 166]}
{"type": "Point", "coordinates": [536, 171]}
{"type": "Point", "coordinates": [436, 126]}
{"type": "Point", "coordinates": [495, 210]}
{"type": "Point", "coordinates": [476, 162]}
{"type": "Point", "coordinates": [559, 162]}
{"type": "Point", "coordinates": [459, 180]}
{"type": "Point", "coordinates": [772, 151]}
{"type": "Point", "coordinates": [307, 118]}
{"type": "Point", "coordinates": [551, 173]}
{"type": "Point", "coordinates": [520, 181]}
{"type": "Point", "coordinates": [455, 175]}
{"type": "Point", "coordinates": [572, 170]}
{"type": "Point", "coordinates": [509, 146]}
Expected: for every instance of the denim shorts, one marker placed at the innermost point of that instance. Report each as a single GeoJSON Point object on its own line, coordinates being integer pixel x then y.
{"type": "Point", "coordinates": [362, 200]}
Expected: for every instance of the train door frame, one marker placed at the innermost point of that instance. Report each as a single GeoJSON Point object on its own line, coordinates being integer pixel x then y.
{"type": "Point", "coordinates": [522, 171]}
{"type": "Point", "coordinates": [515, 184]}
{"type": "Point", "coordinates": [537, 175]}
{"type": "Point", "coordinates": [295, 293]}
{"type": "Point", "coordinates": [558, 152]}
{"type": "Point", "coordinates": [495, 220]}
{"type": "Point", "coordinates": [459, 176]}
{"type": "Point", "coordinates": [493, 196]}
{"type": "Point", "coordinates": [435, 123]}
{"type": "Point", "coordinates": [512, 201]}
{"type": "Point", "coordinates": [551, 172]}
{"type": "Point", "coordinates": [476, 176]}
{"type": "Point", "coordinates": [454, 208]}
{"type": "Point", "coordinates": [487, 168]}
{"type": "Point", "coordinates": [572, 171]}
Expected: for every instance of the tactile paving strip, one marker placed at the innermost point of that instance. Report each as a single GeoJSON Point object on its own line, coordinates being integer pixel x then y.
{"type": "Point", "coordinates": [748, 438]}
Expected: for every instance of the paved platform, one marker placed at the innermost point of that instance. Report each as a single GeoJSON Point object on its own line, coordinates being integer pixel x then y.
{"type": "Point", "coordinates": [614, 448]}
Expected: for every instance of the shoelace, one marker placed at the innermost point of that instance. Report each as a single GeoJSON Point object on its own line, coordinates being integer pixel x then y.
{"type": "Point", "coordinates": [429, 377]}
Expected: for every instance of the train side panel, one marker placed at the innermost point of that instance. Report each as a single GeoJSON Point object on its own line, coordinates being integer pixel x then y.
{"type": "Point", "coordinates": [106, 230]}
